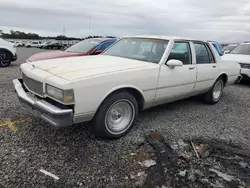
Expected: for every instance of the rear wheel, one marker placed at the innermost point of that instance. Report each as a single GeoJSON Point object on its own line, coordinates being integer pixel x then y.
{"type": "Point", "coordinates": [5, 59]}
{"type": "Point", "coordinates": [215, 93]}
{"type": "Point", "coordinates": [116, 115]}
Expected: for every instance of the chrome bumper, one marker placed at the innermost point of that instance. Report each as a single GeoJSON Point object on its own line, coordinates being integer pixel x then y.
{"type": "Point", "coordinates": [41, 108]}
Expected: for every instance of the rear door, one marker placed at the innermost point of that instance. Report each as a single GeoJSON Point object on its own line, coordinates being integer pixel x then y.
{"type": "Point", "coordinates": [207, 69]}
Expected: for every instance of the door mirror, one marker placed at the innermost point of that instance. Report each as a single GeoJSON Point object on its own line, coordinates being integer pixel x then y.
{"type": "Point", "coordinates": [172, 63]}
{"type": "Point", "coordinates": [226, 52]}
{"type": "Point", "coordinates": [97, 52]}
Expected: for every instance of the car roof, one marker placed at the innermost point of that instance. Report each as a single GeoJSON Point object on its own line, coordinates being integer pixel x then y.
{"type": "Point", "coordinates": [164, 37]}
{"type": "Point", "coordinates": [102, 39]}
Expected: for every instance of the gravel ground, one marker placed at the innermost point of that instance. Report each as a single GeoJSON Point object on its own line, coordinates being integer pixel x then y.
{"type": "Point", "coordinates": [28, 144]}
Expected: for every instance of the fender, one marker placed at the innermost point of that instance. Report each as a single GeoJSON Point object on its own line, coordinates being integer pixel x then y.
{"type": "Point", "coordinates": [120, 88]}
{"type": "Point", "coordinates": [5, 49]}
{"type": "Point", "coordinates": [224, 75]}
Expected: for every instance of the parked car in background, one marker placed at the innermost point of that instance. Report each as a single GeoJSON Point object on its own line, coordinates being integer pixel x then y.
{"type": "Point", "coordinates": [11, 41]}
{"type": "Point", "coordinates": [43, 44]}
{"type": "Point", "coordinates": [18, 44]}
{"type": "Point", "coordinates": [7, 53]}
{"type": "Point", "coordinates": [217, 46]}
{"type": "Point", "coordinates": [241, 54]}
{"type": "Point", "coordinates": [135, 73]}
{"type": "Point", "coordinates": [92, 46]}
{"type": "Point", "coordinates": [33, 44]}
{"type": "Point", "coordinates": [53, 45]}
{"type": "Point", "coordinates": [227, 49]}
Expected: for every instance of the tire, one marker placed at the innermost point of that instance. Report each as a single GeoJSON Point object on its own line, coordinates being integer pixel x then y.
{"type": "Point", "coordinates": [111, 109]}
{"type": "Point", "coordinates": [5, 59]}
{"type": "Point", "coordinates": [28, 46]}
{"type": "Point", "coordinates": [215, 93]}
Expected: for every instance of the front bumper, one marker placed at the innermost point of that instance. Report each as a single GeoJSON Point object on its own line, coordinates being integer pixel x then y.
{"type": "Point", "coordinates": [40, 108]}
{"type": "Point", "coordinates": [14, 58]}
{"type": "Point", "coordinates": [245, 73]}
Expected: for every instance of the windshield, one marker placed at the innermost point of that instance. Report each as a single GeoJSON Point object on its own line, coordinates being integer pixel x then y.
{"type": "Point", "coordinates": [143, 49]}
{"type": "Point", "coordinates": [84, 46]}
{"type": "Point", "coordinates": [229, 48]}
{"type": "Point", "coordinates": [241, 49]}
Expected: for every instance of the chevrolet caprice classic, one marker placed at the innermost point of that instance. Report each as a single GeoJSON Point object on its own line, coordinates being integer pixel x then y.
{"type": "Point", "coordinates": [134, 74]}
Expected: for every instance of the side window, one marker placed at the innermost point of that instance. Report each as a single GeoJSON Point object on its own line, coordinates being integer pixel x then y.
{"type": "Point", "coordinates": [100, 47]}
{"type": "Point", "coordinates": [211, 56]}
{"type": "Point", "coordinates": [181, 51]}
{"type": "Point", "coordinates": [107, 44]}
{"type": "Point", "coordinates": [202, 54]}
{"type": "Point", "coordinates": [104, 45]}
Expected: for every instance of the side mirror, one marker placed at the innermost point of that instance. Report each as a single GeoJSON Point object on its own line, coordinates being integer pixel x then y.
{"type": "Point", "coordinates": [97, 52]}
{"type": "Point", "coordinates": [172, 63]}
{"type": "Point", "coordinates": [226, 52]}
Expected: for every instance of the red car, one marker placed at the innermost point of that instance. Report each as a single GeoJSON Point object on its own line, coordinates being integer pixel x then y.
{"type": "Point", "coordinates": [91, 46]}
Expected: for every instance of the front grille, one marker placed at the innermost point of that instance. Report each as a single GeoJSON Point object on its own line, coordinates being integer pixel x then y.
{"type": "Point", "coordinates": [245, 66]}
{"type": "Point", "coordinates": [33, 85]}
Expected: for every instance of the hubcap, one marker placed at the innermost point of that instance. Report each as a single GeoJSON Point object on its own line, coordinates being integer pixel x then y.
{"type": "Point", "coordinates": [4, 60]}
{"type": "Point", "coordinates": [120, 116]}
{"type": "Point", "coordinates": [217, 90]}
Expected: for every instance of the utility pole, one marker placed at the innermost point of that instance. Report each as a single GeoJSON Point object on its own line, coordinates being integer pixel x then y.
{"type": "Point", "coordinates": [89, 24]}
{"type": "Point", "coordinates": [63, 31]}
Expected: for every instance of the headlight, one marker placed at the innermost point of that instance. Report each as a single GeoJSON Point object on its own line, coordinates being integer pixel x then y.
{"type": "Point", "coordinates": [65, 96]}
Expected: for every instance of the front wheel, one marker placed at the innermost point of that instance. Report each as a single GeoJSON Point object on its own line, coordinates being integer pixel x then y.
{"type": "Point", "coordinates": [116, 116]}
{"type": "Point", "coordinates": [215, 93]}
{"type": "Point", "coordinates": [5, 59]}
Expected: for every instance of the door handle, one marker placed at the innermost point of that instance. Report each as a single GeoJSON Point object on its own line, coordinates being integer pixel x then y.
{"type": "Point", "coordinates": [191, 68]}
{"type": "Point", "coordinates": [214, 66]}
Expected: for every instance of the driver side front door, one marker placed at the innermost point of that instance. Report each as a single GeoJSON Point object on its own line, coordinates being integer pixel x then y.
{"type": "Point", "coordinates": [178, 82]}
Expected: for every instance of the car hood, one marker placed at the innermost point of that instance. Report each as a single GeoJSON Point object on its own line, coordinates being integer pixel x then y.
{"type": "Point", "coordinates": [82, 67]}
{"type": "Point", "coordinates": [237, 58]}
{"type": "Point", "coordinates": [6, 43]}
{"type": "Point", "coordinates": [52, 55]}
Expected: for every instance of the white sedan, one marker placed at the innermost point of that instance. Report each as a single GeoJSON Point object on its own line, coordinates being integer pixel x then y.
{"type": "Point", "coordinates": [134, 74]}
{"type": "Point", "coordinates": [241, 54]}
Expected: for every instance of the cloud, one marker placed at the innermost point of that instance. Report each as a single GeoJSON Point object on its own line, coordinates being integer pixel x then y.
{"type": "Point", "coordinates": [223, 20]}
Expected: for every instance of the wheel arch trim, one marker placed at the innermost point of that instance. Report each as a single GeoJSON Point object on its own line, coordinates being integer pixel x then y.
{"type": "Point", "coordinates": [124, 87]}
{"type": "Point", "coordinates": [7, 50]}
{"type": "Point", "coordinates": [224, 76]}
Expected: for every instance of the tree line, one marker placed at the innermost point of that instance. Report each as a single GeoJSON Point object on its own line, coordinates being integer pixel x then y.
{"type": "Point", "coordinates": [34, 36]}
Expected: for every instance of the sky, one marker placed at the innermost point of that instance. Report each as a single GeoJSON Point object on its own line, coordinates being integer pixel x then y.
{"type": "Point", "coordinates": [220, 20]}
